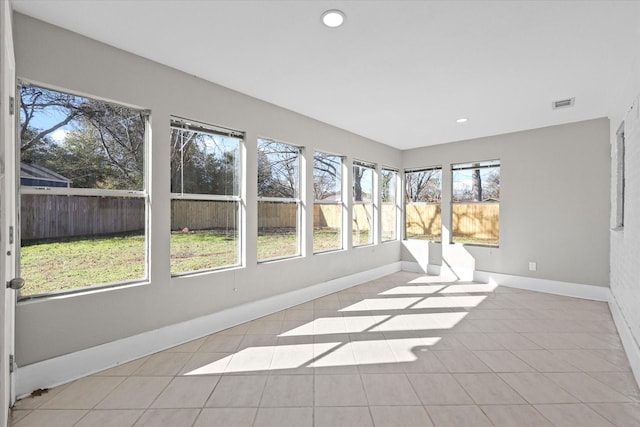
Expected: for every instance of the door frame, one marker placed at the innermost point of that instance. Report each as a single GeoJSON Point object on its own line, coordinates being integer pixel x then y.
{"type": "Point", "coordinates": [8, 209]}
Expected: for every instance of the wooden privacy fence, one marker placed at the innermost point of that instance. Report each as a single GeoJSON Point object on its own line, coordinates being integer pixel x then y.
{"type": "Point", "coordinates": [330, 216]}
{"type": "Point", "coordinates": [327, 215]}
{"type": "Point", "coordinates": [45, 216]}
{"type": "Point", "coordinates": [476, 221]}
{"type": "Point", "coordinates": [277, 215]}
{"type": "Point", "coordinates": [423, 219]}
{"type": "Point", "coordinates": [203, 214]}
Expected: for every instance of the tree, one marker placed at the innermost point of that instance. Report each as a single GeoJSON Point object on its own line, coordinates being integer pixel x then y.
{"type": "Point", "coordinates": [203, 163]}
{"type": "Point", "coordinates": [121, 133]}
{"type": "Point", "coordinates": [326, 173]}
{"type": "Point", "coordinates": [104, 147]}
{"type": "Point", "coordinates": [277, 169]}
{"type": "Point", "coordinates": [477, 183]}
{"type": "Point", "coordinates": [36, 102]}
{"type": "Point", "coordinates": [388, 186]}
{"type": "Point", "coordinates": [492, 185]}
{"type": "Point", "coordinates": [358, 173]}
{"type": "Point", "coordinates": [424, 186]}
{"type": "Point", "coordinates": [80, 159]}
{"type": "Point", "coordinates": [476, 180]}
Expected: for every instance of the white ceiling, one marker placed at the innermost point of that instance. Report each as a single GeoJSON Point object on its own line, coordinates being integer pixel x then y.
{"type": "Point", "coordinates": [398, 72]}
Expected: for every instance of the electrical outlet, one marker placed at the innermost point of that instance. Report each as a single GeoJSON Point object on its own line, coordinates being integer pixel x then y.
{"type": "Point", "coordinates": [533, 266]}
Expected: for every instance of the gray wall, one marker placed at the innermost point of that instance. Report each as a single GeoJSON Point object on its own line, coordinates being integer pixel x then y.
{"type": "Point", "coordinates": [58, 58]}
{"type": "Point", "coordinates": [554, 207]}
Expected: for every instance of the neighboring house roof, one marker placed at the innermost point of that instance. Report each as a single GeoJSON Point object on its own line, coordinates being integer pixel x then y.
{"type": "Point", "coordinates": [331, 197]}
{"type": "Point", "coordinates": [35, 175]}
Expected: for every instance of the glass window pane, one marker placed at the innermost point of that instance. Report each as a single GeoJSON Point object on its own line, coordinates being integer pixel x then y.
{"type": "Point", "coordinates": [204, 163]}
{"type": "Point", "coordinates": [422, 208]}
{"type": "Point", "coordinates": [362, 230]}
{"type": "Point", "coordinates": [277, 230]}
{"type": "Point", "coordinates": [204, 235]}
{"type": "Point", "coordinates": [362, 184]}
{"type": "Point", "coordinates": [77, 142]}
{"type": "Point", "coordinates": [327, 209]}
{"type": "Point", "coordinates": [327, 227]}
{"type": "Point", "coordinates": [278, 166]}
{"type": "Point", "coordinates": [476, 223]}
{"type": "Point", "coordinates": [389, 210]}
{"type": "Point", "coordinates": [476, 185]}
{"type": "Point", "coordinates": [82, 235]}
{"type": "Point", "coordinates": [205, 230]}
{"type": "Point", "coordinates": [327, 177]}
{"type": "Point", "coordinates": [72, 242]}
{"type": "Point", "coordinates": [278, 221]}
{"type": "Point", "coordinates": [362, 224]}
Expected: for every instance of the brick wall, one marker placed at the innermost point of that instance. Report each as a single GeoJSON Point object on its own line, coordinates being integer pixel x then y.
{"type": "Point", "coordinates": [625, 241]}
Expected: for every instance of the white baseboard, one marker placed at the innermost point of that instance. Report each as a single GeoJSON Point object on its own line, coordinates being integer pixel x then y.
{"type": "Point", "coordinates": [630, 345]}
{"type": "Point", "coordinates": [432, 269]}
{"type": "Point", "coordinates": [63, 369]}
{"type": "Point", "coordinates": [413, 267]}
{"type": "Point", "coordinates": [597, 293]}
{"type": "Point", "coordinates": [576, 290]}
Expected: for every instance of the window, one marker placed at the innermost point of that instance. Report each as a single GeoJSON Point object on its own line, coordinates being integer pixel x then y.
{"type": "Point", "coordinates": [278, 200]}
{"type": "Point", "coordinates": [83, 192]}
{"type": "Point", "coordinates": [389, 208]}
{"type": "Point", "coordinates": [205, 196]}
{"type": "Point", "coordinates": [423, 212]}
{"type": "Point", "coordinates": [327, 205]}
{"type": "Point", "coordinates": [620, 176]}
{"type": "Point", "coordinates": [363, 175]}
{"type": "Point", "coordinates": [476, 203]}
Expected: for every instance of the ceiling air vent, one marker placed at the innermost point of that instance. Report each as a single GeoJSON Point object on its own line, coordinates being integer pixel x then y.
{"type": "Point", "coordinates": [563, 103]}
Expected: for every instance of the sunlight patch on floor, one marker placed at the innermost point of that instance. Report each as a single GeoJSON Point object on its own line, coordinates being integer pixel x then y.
{"type": "Point", "coordinates": [470, 288]}
{"type": "Point", "coordinates": [381, 304]}
{"type": "Point", "coordinates": [413, 290]}
{"type": "Point", "coordinates": [450, 302]}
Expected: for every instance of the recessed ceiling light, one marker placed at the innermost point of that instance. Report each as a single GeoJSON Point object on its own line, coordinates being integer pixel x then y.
{"type": "Point", "coordinates": [333, 18]}
{"type": "Point", "coordinates": [462, 120]}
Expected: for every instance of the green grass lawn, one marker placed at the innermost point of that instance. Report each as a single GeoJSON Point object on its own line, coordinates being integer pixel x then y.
{"type": "Point", "coordinates": [475, 241]}
{"type": "Point", "coordinates": [203, 250]}
{"type": "Point", "coordinates": [429, 237]}
{"type": "Point", "coordinates": [277, 243]}
{"type": "Point", "coordinates": [50, 266]}
{"type": "Point", "coordinates": [326, 239]}
{"type": "Point", "coordinates": [67, 264]}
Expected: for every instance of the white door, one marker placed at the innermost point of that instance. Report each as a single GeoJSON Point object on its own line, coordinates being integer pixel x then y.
{"type": "Point", "coordinates": [7, 207]}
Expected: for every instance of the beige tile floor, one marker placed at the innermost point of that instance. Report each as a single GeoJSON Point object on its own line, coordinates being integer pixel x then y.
{"type": "Point", "coordinates": [403, 350]}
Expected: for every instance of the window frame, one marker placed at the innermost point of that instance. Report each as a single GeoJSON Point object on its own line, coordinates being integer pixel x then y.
{"type": "Point", "coordinates": [212, 130]}
{"type": "Point", "coordinates": [408, 202]}
{"type": "Point", "coordinates": [374, 221]}
{"type": "Point", "coordinates": [339, 203]}
{"type": "Point", "coordinates": [144, 194]}
{"type": "Point", "coordinates": [620, 157]}
{"type": "Point", "coordinates": [199, 127]}
{"type": "Point", "coordinates": [284, 200]}
{"type": "Point", "coordinates": [481, 164]}
{"type": "Point", "coordinates": [395, 204]}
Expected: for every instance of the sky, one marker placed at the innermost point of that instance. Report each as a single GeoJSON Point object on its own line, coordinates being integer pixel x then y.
{"type": "Point", "coordinates": [45, 120]}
